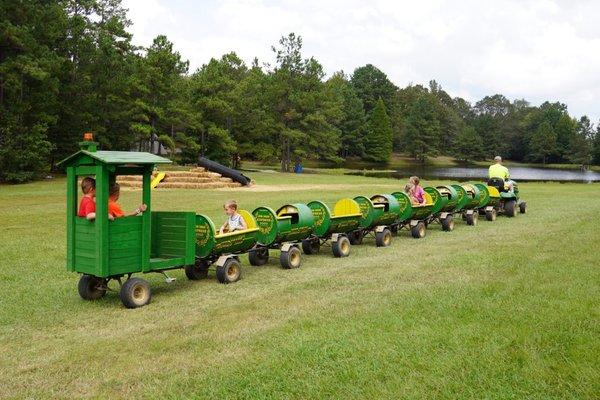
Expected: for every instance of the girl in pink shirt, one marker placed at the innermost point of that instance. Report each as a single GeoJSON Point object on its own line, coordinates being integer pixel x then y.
{"type": "Point", "coordinates": [418, 194]}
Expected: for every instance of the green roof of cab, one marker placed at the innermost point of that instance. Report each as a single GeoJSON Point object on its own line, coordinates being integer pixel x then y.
{"type": "Point", "coordinates": [112, 158]}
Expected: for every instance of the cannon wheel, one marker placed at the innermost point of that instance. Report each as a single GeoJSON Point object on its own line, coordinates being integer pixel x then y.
{"type": "Point", "coordinates": [419, 230]}
{"type": "Point", "coordinates": [197, 271]}
{"type": "Point", "coordinates": [472, 218]}
{"type": "Point", "coordinates": [356, 237]}
{"type": "Point", "coordinates": [448, 223]}
{"type": "Point", "coordinates": [258, 257]}
{"type": "Point", "coordinates": [523, 207]}
{"type": "Point", "coordinates": [135, 293]}
{"type": "Point", "coordinates": [311, 245]}
{"type": "Point", "coordinates": [341, 248]}
{"type": "Point", "coordinates": [509, 208]}
{"type": "Point", "coordinates": [383, 238]}
{"type": "Point", "coordinates": [491, 215]}
{"type": "Point", "coordinates": [230, 271]}
{"type": "Point", "coordinates": [91, 287]}
{"type": "Point", "coordinates": [291, 258]}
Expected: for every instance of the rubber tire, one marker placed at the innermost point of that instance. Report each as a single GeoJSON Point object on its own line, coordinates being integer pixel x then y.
{"type": "Point", "coordinates": [472, 218]}
{"type": "Point", "coordinates": [510, 208]}
{"type": "Point", "coordinates": [491, 215]}
{"type": "Point", "coordinates": [523, 207]}
{"type": "Point", "coordinates": [224, 272]}
{"type": "Point", "coordinates": [311, 245]}
{"type": "Point", "coordinates": [341, 248]}
{"type": "Point", "coordinates": [291, 259]}
{"type": "Point", "coordinates": [447, 223]}
{"type": "Point", "coordinates": [88, 287]}
{"type": "Point", "coordinates": [258, 256]}
{"type": "Point", "coordinates": [419, 230]}
{"type": "Point", "coordinates": [130, 293]}
{"type": "Point", "coordinates": [356, 237]}
{"type": "Point", "coordinates": [197, 271]}
{"type": "Point", "coordinates": [383, 238]}
{"type": "Point", "coordinates": [394, 229]}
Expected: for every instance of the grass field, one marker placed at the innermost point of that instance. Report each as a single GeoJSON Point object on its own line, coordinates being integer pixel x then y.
{"type": "Point", "coordinates": [502, 310]}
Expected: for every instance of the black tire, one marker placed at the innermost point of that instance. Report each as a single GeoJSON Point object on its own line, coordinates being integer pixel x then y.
{"type": "Point", "coordinates": [197, 271]}
{"type": "Point", "coordinates": [491, 215]}
{"type": "Point", "coordinates": [472, 218]}
{"type": "Point", "coordinates": [510, 208]}
{"type": "Point", "coordinates": [291, 258]}
{"type": "Point", "coordinates": [523, 207]}
{"type": "Point", "coordinates": [448, 223]}
{"type": "Point", "coordinates": [419, 230]}
{"type": "Point", "coordinates": [135, 293]}
{"type": "Point", "coordinates": [356, 237]}
{"type": "Point", "coordinates": [91, 287]}
{"type": "Point", "coordinates": [394, 229]}
{"type": "Point", "coordinates": [341, 248]}
{"type": "Point", "coordinates": [230, 272]}
{"type": "Point", "coordinates": [311, 246]}
{"type": "Point", "coordinates": [383, 238]}
{"type": "Point", "coordinates": [258, 256]}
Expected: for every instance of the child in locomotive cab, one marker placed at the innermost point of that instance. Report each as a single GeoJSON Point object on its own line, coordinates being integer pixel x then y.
{"type": "Point", "coordinates": [87, 205]}
{"type": "Point", "coordinates": [114, 209]}
{"type": "Point", "coordinates": [235, 222]}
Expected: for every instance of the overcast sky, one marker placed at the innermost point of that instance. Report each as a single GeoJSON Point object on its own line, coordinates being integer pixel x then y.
{"type": "Point", "coordinates": [537, 50]}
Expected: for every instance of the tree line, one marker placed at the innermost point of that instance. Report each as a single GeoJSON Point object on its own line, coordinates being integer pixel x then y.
{"type": "Point", "coordinates": [68, 67]}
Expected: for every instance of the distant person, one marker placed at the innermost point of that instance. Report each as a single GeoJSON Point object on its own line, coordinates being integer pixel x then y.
{"type": "Point", "coordinates": [114, 209]}
{"type": "Point", "coordinates": [499, 171]}
{"type": "Point", "coordinates": [235, 222]}
{"type": "Point", "coordinates": [418, 192]}
{"type": "Point", "coordinates": [87, 205]}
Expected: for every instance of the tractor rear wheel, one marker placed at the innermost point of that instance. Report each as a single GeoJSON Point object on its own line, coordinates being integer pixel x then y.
{"type": "Point", "coordinates": [230, 271]}
{"type": "Point", "coordinates": [523, 207]}
{"type": "Point", "coordinates": [356, 237]}
{"type": "Point", "coordinates": [311, 245]}
{"type": "Point", "coordinates": [419, 230]}
{"type": "Point", "coordinates": [135, 293]}
{"type": "Point", "coordinates": [472, 218]}
{"type": "Point", "coordinates": [448, 223]}
{"type": "Point", "coordinates": [197, 271]}
{"type": "Point", "coordinates": [291, 258]}
{"type": "Point", "coordinates": [258, 256]}
{"type": "Point", "coordinates": [510, 208]}
{"type": "Point", "coordinates": [383, 238]}
{"type": "Point", "coordinates": [341, 247]}
{"type": "Point", "coordinates": [491, 215]}
{"type": "Point", "coordinates": [91, 287]}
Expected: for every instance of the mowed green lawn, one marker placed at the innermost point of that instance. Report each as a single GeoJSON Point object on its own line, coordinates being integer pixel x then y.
{"type": "Point", "coordinates": [503, 310]}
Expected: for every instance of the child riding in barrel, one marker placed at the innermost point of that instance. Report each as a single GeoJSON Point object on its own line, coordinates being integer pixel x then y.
{"type": "Point", "coordinates": [418, 194]}
{"type": "Point", "coordinates": [235, 222]}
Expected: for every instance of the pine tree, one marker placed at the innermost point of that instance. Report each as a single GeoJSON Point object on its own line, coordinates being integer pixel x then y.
{"type": "Point", "coordinates": [378, 141]}
{"type": "Point", "coordinates": [468, 145]}
{"type": "Point", "coordinates": [422, 129]}
{"type": "Point", "coordinates": [543, 142]}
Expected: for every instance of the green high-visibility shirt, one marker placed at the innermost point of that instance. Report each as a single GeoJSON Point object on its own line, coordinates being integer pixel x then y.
{"type": "Point", "coordinates": [498, 171]}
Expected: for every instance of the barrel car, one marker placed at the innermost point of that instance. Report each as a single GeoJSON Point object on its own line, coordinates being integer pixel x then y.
{"type": "Point", "coordinates": [445, 199]}
{"type": "Point", "coordinates": [379, 214]}
{"type": "Point", "coordinates": [412, 216]}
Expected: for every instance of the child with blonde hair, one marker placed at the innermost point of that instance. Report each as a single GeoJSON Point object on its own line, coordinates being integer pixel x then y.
{"type": "Point", "coordinates": [235, 222]}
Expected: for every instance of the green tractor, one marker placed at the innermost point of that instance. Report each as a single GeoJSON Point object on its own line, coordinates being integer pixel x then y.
{"type": "Point", "coordinates": [508, 198]}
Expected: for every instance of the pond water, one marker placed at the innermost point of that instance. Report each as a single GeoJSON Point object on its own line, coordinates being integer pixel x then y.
{"type": "Point", "coordinates": [522, 174]}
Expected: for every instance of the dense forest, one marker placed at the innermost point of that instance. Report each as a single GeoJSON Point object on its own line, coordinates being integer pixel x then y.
{"type": "Point", "coordinates": [68, 67]}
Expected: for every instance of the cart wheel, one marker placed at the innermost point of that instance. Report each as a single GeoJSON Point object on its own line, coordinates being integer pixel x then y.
{"type": "Point", "coordinates": [341, 248]}
{"type": "Point", "coordinates": [311, 245]}
{"type": "Point", "coordinates": [356, 237]}
{"type": "Point", "coordinates": [491, 215]}
{"type": "Point", "coordinates": [291, 258]}
{"type": "Point", "coordinates": [91, 287]}
{"type": "Point", "coordinates": [383, 238]}
{"type": "Point", "coordinates": [135, 293]}
{"type": "Point", "coordinates": [523, 207]}
{"type": "Point", "coordinates": [197, 271]}
{"type": "Point", "coordinates": [259, 256]}
{"type": "Point", "coordinates": [230, 272]}
{"type": "Point", "coordinates": [419, 230]}
{"type": "Point", "coordinates": [472, 218]}
{"type": "Point", "coordinates": [509, 208]}
{"type": "Point", "coordinates": [448, 223]}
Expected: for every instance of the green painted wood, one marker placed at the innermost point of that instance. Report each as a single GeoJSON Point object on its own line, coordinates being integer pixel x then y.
{"type": "Point", "coordinates": [71, 216]}
{"type": "Point", "coordinates": [190, 234]}
{"type": "Point", "coordinates": [85, 170]}
{"type": "Point", "coordinates": [146, 219]}
{"type": "Point", "coordinates": [114, 157]}
{"type": "Point", "coordinates": [164, 263]}
{"type": "Point", "coordinates": [101, 221]}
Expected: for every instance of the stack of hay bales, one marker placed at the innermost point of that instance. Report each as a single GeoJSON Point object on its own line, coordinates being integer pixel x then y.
{"type": "Point", "coordinates": [195, 178]}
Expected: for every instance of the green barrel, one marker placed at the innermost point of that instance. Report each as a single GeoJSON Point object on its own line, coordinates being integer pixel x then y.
{"type": "Point", "coordinates": [290, 223]}
{"type": "Point", "coordinates": [410, 211]}
{"type": "Point", "coordinates": [439, 201]}
{"type": "Point", "coordinates": [381, 209]}
{"type": "Point", "coordinates": [210, 243]}
{"type": "Point", "coordinates": [450, 193]}
{"type": "Point", "coordinates": [488, 196]}
{"type": "Point", "coordinates": [346, 217]}
{"type": "Point", "coordinates": [461, 195]}
{"type": "Point", "coordinates": [473, 196]}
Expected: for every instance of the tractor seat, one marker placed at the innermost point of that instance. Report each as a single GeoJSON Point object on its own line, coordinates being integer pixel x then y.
{"type": "Point", "coordinates": [498, 183]}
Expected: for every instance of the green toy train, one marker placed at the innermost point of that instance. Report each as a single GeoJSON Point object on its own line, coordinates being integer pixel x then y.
{"type": "Point", "coordinates": [158, 241]}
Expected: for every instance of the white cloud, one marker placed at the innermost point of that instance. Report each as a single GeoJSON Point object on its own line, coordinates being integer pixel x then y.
{"type": "Point", "coordinates": [537, 50]}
